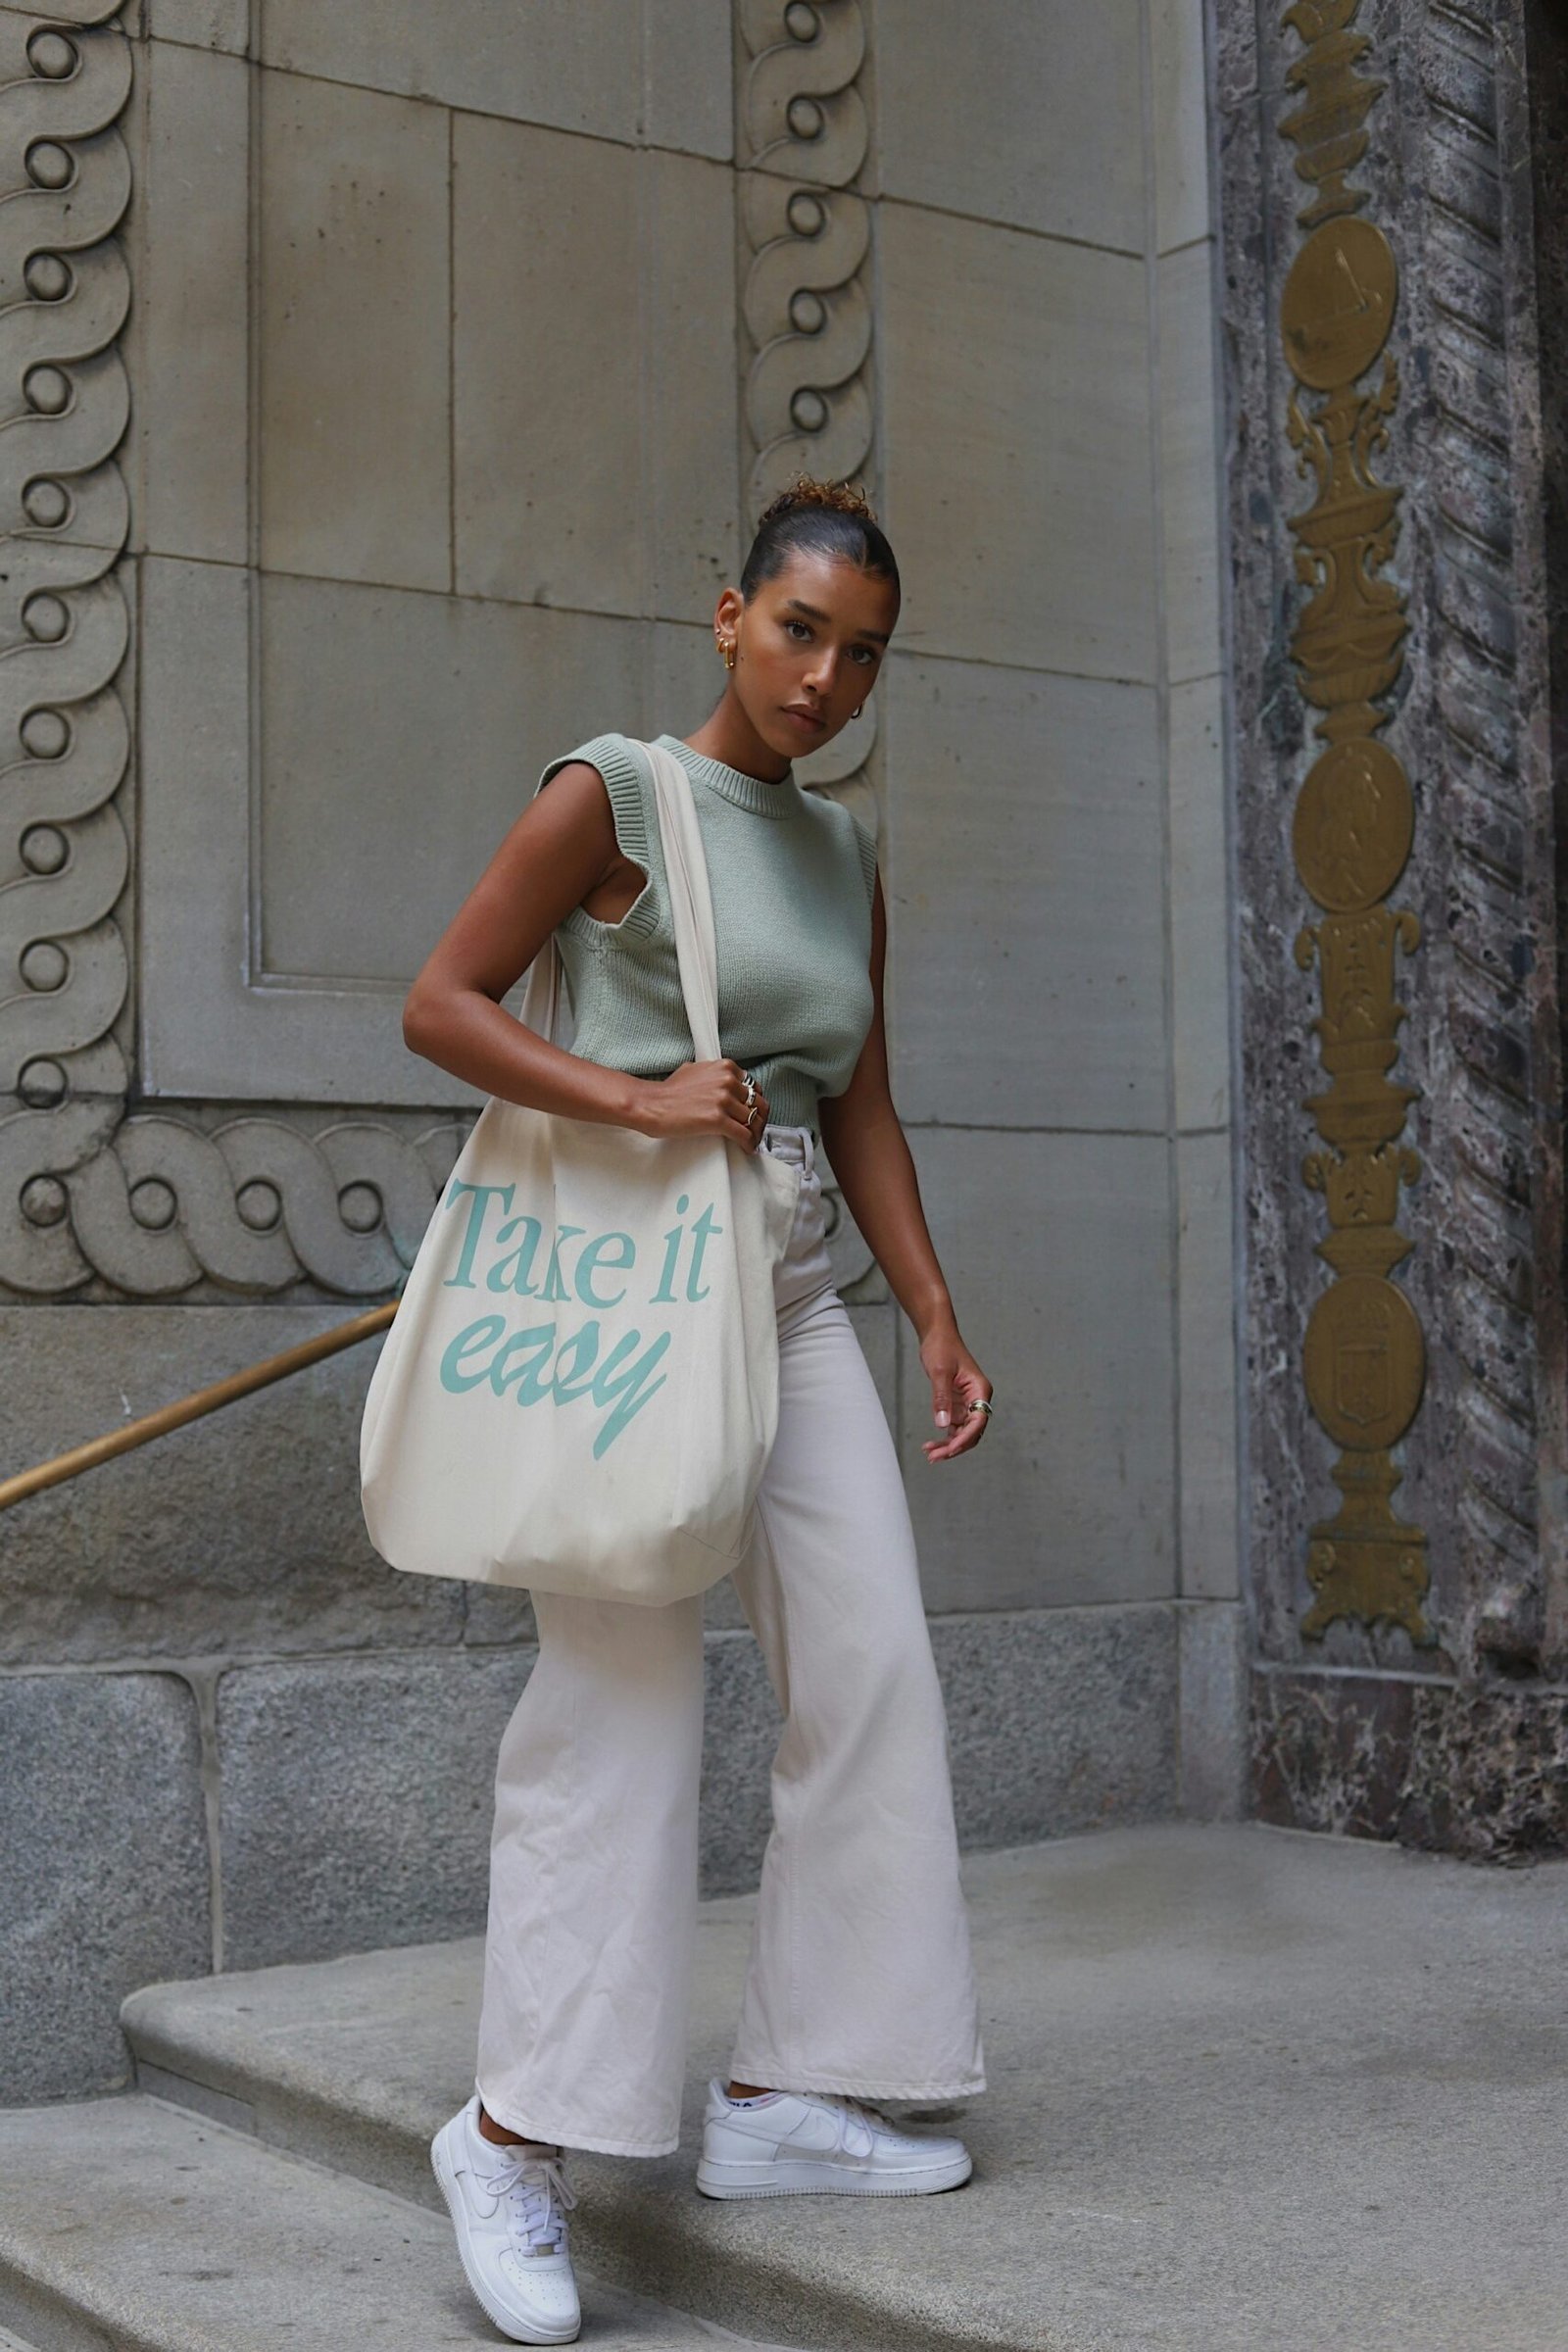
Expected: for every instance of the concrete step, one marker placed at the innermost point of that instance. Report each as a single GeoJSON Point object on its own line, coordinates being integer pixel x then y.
{"type": "Point", "coordinates": [1251, 2091]}
{"type": "Point", "coordinates": [129, 2223]}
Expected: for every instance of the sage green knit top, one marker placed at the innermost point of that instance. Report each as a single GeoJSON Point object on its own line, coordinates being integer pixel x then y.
{"type": "Point", "coordinates": [791, 877]}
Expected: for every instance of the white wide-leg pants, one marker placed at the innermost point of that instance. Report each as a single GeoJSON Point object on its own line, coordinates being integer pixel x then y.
{"type": "Point", "coordinates": [859, 1977]}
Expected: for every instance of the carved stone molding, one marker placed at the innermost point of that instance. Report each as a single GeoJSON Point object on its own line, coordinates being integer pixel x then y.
{"type": "Point", "coordinates": [97, 1199]}
{"type": "Point", "coordinates": [804, 298]}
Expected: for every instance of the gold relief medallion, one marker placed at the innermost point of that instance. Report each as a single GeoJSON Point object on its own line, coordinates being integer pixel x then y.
{"type": "Point", "coordinates": [1354, 824]}
{"type": "Point", "coordinates": [1365, 1362]}
{"type": "Point", "coordinates": [1337, 309]}
{"type": "Point", "coordinates": [1364, 1359]}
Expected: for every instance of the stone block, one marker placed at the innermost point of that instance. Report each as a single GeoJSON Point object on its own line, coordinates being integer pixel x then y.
{"type": "Point", "coordinates": [186, 341]}
{"type": "Point", "coordinates": [741, 1726]}
{"type": "Point", "coordinates": [103, 1859]}
{"type": "Point", "coordinates": [1026, 967]}
{"type": "Point", "coordinates": [1212, 1653]}
{"type": "Point", "coordinates": [238, 1532]}
{"type": "Point", "coordinates": [1015, 450]}
{"type": "Point", "coordinates": [594, 372]}
{"type": "Point", "coordinates": [1058, 1720]}
{"type": "Point", "coordinates": [200, 24]}
{"type": "Point", "coordinates": [1189, 476]}
{"type": "Point", "coordinates": [369, 697]}
{"type": "Point", "coordinates": [1206, 1291]}
{"type": "Point", "coordinates": [1057, 1249]}
{"type": "Point", "coordinates": [1470, 1769]}
{"type": "Point", "coordinates": [954, 132]}
{"type": "Point", "coordinates": [497, 1613]}
{"type": "Point", "coordinates": [353, 303]}
{"type": "Point", "coordinates": [659, 72]}
{"type": "Point", "coordinates": [1179, 83]}
{"type": "Point", "coordinates": [436, 712]}
{"type": "Point", "coordinates": [1202, 923]}
{"type": "Point", "coordinates": [357, 1797]}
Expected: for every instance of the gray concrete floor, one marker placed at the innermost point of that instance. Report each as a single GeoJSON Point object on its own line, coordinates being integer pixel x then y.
{"type": "Point", "coordinates": [1250, 2091]}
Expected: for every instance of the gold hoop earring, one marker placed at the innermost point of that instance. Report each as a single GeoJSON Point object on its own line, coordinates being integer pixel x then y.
{"type": "Point", "coordinates": [728, 652]}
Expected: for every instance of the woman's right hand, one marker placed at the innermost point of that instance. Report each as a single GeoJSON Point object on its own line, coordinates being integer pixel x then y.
{"type": "Point", "coordinates": [704, 1097]}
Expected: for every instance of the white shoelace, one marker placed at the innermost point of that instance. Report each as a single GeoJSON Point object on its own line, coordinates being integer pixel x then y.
{"type": "Point", "coordinates": [870, 2120]}
{"type": "Point", "coordinates": [539, 2195]}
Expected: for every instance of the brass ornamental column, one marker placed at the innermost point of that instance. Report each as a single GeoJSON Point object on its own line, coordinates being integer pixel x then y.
{"type": "Point", "coordinates": [1364, 1359]}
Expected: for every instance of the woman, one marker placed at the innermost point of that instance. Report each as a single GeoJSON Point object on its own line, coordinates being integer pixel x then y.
{"type": "Point", "coordinates": [860, 1984]}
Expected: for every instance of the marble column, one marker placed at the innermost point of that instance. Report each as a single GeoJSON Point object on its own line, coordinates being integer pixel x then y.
{"type": "Point", "coordinates": [1431, 1709]}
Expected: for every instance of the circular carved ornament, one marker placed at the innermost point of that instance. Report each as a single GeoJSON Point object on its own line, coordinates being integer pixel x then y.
{"type": "Point", "coordinates": [1364, 1362]}
{"type": "Point", "coordinates": [1338, 303]}
{"type": "Point", "coordinates": [1354, 824]}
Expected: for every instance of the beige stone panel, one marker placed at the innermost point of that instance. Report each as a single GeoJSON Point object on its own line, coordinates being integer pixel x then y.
{"type": "Point", "coordinates": [1207, 1307]}
{"type": "Point", "coordinates": [1202, 925]}
{"type": "Point", "coordinates": [1022, 111]}
{"type": "Point", "coordinates": [200, 24]}
{"type": "Point", "coordinates": [1024, 883]}
{"type": "Point", "coordinates": [595, 373]}
{"type": "Point", "coordinates": [353, 322]}
{"type": "Point", "coordinates": [401, 736]}
{"type": "Point", "coordinates": [1016, 446]}
{"type": "Point", "coordinates": [1057, 1250]}
{"type": "Point", "coordinates": [186, 341]}
{"type": "Point", "coordinates": [686, 678]}
{"type": "Point", "coordinates": [1189, 462]}
{"type": "Point", "coordinates": [628, 69]}
{"type": "Point", "coordinates": [1180, 87]}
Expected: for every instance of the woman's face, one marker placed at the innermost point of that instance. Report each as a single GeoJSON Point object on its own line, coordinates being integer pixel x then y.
{"type": "Point", "coordinates": [808, 648]}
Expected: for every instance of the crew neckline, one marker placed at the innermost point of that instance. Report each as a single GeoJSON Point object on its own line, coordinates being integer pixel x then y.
{"type": "Point", "coordinates": [762, 798]}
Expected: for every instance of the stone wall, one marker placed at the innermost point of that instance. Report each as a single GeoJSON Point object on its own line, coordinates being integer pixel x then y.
{"type": "Point", "coordinates": [412, 386]}
{"type": "Point", "coordinates": [1410, 1661]}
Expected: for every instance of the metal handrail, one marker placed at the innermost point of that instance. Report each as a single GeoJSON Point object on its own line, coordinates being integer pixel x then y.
{"type": "Point", "coordinates": [192, 1407]}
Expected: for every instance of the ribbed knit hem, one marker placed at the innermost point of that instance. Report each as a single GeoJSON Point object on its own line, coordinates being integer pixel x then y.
{"type": "Point", "coordinates": [865, 843]}
{"type": "Point", "coordinates": [628, 790]}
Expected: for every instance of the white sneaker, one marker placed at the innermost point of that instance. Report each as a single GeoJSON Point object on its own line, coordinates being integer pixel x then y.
{"type": "Point", "coordinates": [509, 2206]}
{"type": "Point", "coordinates": [794, 2143]}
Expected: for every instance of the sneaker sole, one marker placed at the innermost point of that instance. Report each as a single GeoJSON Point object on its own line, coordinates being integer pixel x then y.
{"type": "Point", "coordinates": [803, 2178]}
{"type": "Point", "coordinates": [507, 2320]}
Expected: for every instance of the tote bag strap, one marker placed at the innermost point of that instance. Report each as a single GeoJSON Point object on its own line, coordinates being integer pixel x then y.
{"type": "Point", "coordinates": [544, 996]}
{"type": "Point", "coordinates": [691, 903]}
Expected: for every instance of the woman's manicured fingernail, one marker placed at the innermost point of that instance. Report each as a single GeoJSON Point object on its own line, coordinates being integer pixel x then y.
{"type": "Point", "coordinates": [942, 1420]}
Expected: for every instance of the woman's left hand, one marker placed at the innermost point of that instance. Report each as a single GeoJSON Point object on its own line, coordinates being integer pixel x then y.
{"type": "Point", "coordinates": [957, 1383]}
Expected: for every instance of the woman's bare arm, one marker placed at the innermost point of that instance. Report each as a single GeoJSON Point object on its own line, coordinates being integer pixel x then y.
{"type": "Point", "coordinates": [874, 1168]}
{"type": "Point", "coordinates": [562, 845]}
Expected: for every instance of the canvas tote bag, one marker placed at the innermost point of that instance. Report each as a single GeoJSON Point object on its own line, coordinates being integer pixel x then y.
{"type": "Point", "coordinates": [579, 1389]}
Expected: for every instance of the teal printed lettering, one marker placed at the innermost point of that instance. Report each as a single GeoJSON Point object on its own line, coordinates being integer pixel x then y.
{"type": "Point", "coordinates": [529, 1379]}
{"type": "Point", "coordinates": [574, 1366]}
{"type": "Point", "coordinates": [664, 1295]}
{"type": "Point", "coordinates": [588, 1266]}
{"type": "Point", "coordinates": [628, 1392]}
{"type": "Point", "coordinates": [702, 1232]}
{"type": "Point", "coordinates": [469, 1342]}
{"type": "Point", "coordinates": [483, 1194]}
{"type": "Point", "coordinates": [521, 1364]}
{"type": "Point", "coordinates": [510, 1273]}
{"type": "Point", "coordinates": [552, 1283]}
